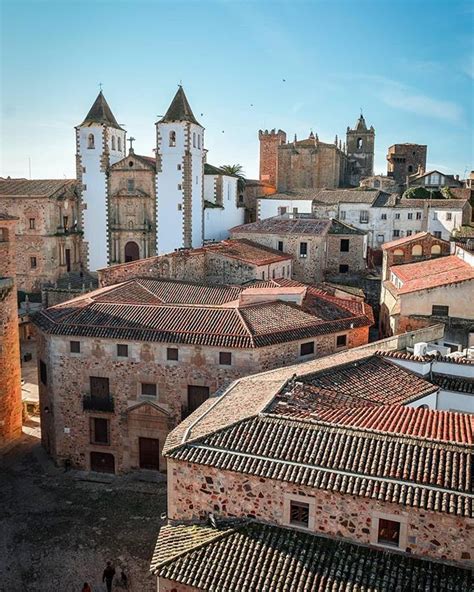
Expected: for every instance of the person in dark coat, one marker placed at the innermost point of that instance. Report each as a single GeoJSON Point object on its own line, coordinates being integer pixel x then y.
{"type": "Point", "coordinates": [108, 576]}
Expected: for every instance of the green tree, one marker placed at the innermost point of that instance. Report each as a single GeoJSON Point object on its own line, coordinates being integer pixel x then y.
{"type": "Point", "coordinates": [238, 171]}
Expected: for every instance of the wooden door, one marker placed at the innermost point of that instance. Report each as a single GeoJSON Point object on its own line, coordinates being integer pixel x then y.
{"type": "Point", "coordinates": [196, 396]}
{"type": "Point", "coordinates": [102, 462]}
{"type": "Point", "coordinates": [149, 453]}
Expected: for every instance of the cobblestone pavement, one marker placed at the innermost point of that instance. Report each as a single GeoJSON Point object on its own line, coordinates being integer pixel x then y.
{"type": "Point", "coordinates": [57, 530]}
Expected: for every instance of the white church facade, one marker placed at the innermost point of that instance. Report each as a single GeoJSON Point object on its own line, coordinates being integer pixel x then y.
{"type": "Point", "coordinates": [139, 206]}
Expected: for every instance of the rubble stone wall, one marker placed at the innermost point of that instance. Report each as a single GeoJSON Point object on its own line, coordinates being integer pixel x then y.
{"type": "Point", "coordinates": [195, 490]}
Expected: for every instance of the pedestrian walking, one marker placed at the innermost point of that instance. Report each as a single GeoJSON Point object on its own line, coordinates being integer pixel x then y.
{"type": "Point", "coordinates": [108, 576]}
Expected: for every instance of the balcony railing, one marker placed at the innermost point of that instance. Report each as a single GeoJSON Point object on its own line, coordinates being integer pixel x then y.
{"type": "Point", "coordinates": [95, 403]}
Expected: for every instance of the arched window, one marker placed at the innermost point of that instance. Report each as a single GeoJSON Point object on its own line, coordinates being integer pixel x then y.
{"type": "Point", "coordinates": [417, 251]}
{"type": "Point", "coordinates": [410, 168]}
{"type": "Point", "coordinates": [397, 255]}
{"type": "Point", "coordinates": [113, 142]}
{"type": "Point", "coordinates": [90, 141]}
{"type": "Point", "coordinates": [436, 250]}
{"type": "Point", "coordinates": [172, 138]}
{"type": "Point", "coordinates": [199, 140]}
{"type": "Point", "coordinates": [194, 139]}
{"type": "Point", "coordinates": [119, 144]}
{"type": "Point", "coordinates": [359, 143]}
{"type": "Point", "coordinates": [132, 252]}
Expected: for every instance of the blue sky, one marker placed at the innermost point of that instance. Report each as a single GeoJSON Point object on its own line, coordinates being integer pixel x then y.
{"type": "Point", "coordinates": [248, 64]}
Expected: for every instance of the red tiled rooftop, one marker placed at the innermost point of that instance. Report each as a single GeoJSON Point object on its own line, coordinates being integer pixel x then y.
{"type": "Point", "coordinates": [180, 312]}
{"type": "Point", "coordinates": [248, 251]}
{"type": "Point", "coordinates": [446, 426]}
{"type": "Point", "coordinates": [281, 225]}
{"type": "Point", "coordinates": [404, 240]}
{"type": "Point", "coordinates": [432, 273]}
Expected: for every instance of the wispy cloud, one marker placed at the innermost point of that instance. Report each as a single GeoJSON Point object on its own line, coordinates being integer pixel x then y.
{"type": "Point", "coordinates": [468, 67]}
{"type": "Point", "coordinates": [406, 98]}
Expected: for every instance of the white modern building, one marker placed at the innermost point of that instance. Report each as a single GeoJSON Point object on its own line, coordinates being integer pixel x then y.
{"type": "Point", "coordinates": [100, 142]}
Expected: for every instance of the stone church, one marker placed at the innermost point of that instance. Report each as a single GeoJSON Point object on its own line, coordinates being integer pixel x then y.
{"type": "Point", "coordinates": [310, 163]}
{"type": "Point", "coordinates": [139, 206]}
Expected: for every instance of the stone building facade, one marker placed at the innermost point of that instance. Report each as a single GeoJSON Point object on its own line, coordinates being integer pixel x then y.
{"type": "Point", "coordinates": [10, 371]}
{"type": "Point", "coordinates": [284, 462]}
{"type": "Point", "coordinates": [404, 160]}
{"type": "Point", "coordinates": [225, 262]}
{"type": "Point", "coordinates": [131, 202]}
{"type": "Point", "coordinates": [121, 366]}
{"type": "Point", "coordinates": [319, 248]}
{"type": "Point", "coordinates": [49, 232]}
{"type": "Point", "coordinates": [310, 163]}
{"type": "Point", "coordinates": [417, 247]}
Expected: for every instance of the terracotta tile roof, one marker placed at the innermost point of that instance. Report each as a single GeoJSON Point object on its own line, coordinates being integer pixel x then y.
{"type": "Point", "coordinates": [253, 557]}
{"type": "Point", "coordinates": [432, 273]}
{"type": "Point", "coordinates": [180, 312]}
{"type": "Point", "coordinates": [248, 251]}
{"type": "Point", "coordinates": [395, 468]}
{"type": "Point", "coordinates": [430, 424]}
{"type": "Point", "coordinates": [369, 381]}
{"type": "Point", "coordinates": [249, 396]}
{"type": "Point", "coordinates": [403, 355]}
{"type": "Point", "coordinates": [282, 225]}
{"type": "Point", "coordinates": [35, 187]}
{"type": "Point", "coordinates": [406, 240]}
{"type": "Point", "coordinates": [454, 383]}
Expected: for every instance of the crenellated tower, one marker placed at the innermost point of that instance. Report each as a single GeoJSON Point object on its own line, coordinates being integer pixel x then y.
{"type": "Point", "coordinates": [269, 143]}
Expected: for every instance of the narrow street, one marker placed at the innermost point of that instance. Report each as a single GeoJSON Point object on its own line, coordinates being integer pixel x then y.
{"type": "Point", "coordinates": [58, 529]}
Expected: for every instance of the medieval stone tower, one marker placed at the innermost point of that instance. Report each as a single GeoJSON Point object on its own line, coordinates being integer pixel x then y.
{"type": "Point", "coordinates": [360, 146]}
{"type": "Point", "coordinates": [10, 372]}
{"type": "Point", "coordinates": [179, 177]}
{"type": "Point", "coordinates": [100, 142]}
{"type": "Point", "coordinates": [269, 143]}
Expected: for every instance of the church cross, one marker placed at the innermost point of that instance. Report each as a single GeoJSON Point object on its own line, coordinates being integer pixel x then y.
{"type": "Point", "coordinates": [131, 140]}
{"type": "Point", "coordinates": [100, 86]}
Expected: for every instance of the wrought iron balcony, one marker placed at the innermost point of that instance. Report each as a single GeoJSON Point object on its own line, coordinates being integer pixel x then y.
{"type": "Point", "coordinates": [95, 403]}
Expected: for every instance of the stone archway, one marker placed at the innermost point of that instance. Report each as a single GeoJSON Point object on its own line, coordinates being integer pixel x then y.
{"type": "Point", "coordinates": [132, 252]}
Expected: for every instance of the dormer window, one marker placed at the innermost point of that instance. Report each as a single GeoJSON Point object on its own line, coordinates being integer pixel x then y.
{"type": "Point", "coordinates": [113, 142]}
{"type": "Point", "coordinates": [172, 138]}
{"type": "Point", "coordinates": [90, 141]}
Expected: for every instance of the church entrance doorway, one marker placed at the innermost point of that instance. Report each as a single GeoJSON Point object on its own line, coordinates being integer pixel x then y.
{"type": "Point", "coordinates": [132, 252]}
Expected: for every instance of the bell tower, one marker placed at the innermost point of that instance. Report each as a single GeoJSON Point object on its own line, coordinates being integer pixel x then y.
{"type": "Point", "coordinates": [100, 142]}
{"type": "Point", "coordinates": [179, 177]}
{"type": "Point", "coordinates": [360, 143]}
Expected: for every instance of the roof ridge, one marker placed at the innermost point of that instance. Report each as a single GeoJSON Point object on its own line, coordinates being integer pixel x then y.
{"type": "Point", "coordinates": [247, 328]}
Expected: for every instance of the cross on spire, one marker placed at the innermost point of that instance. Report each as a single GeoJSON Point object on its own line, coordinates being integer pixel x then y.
{"type": "Point", "coordinates": [100, 86]}
{"type": "Point", "coordinates": [131, 140]}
